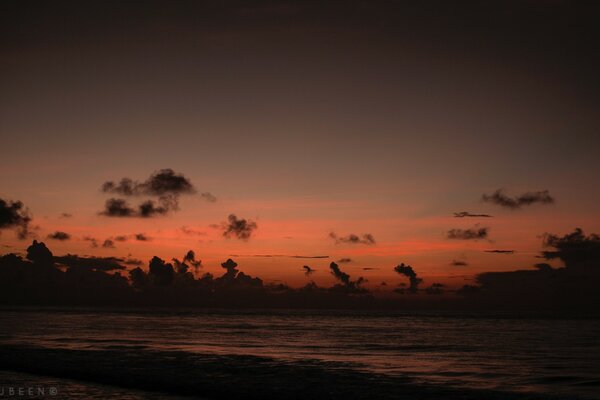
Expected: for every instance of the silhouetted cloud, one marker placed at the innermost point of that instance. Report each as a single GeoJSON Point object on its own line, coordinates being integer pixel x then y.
{"type": "Point", "coordinates": [66, 215]}
{"type": "Point", "coordinates": [117, 208]}
{"type": "Point", "coordinates": [408, 271]}
{"type": "Point", "coordinates": [59, 235]}
{"type": "Point", "coordinates": [346, 284]}
{"type": "Point", "coordinates": [367, 238]}
{"type": "Point", "coordinates": [91, 263]}
{"type": "Point", "coordinates": [526, 199]}
{"type": "Point", "coordinates": [160, 183]}
{"type": "Point", "coordinates": [39, 253]}
{"type": "Point", "coordinates": [575, 249]}
{"type": "Point", "coordinates": [208, 197]}
{"type": "Point", "coordinates": [344, 260]}
{"type": "Point", "coordinates": [189, 259]}
{"type": "Point", "coordinates": [147, 209]}
{"type": "Point", "coordinates": [142, 237]}
{"type": "Point", "coordinates": [308, 270]}
{"type": "Point", "coordinates": [161, 273]}
{"type": "Point", "coordinates": [468, 234]}
{"type": "Point", "coordinates": [108, 244]}
{"type": "Point", "coordinates": [165, 184]}
{"type": "Point", "coordinates": [120, 238]}
{"type": "Point", "coordinates": [238, 228]}
{"type": "Point", "coordinates": [500, 251]}
{"type": "Point", "coordinates": [164, 205]}
{"type": "Point", "coordinates": [14, 215]}
{"type": "Point", "coordinates": [93, 241]}
{"type": "Point", "coordinates": [464, 214]}
{"type": "Point", "coordinates": [459, 263]}
{"type": "Point", "coordinates": [369, 268]}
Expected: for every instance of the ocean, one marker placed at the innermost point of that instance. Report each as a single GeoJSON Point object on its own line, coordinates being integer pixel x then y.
{"type": "Point", "coordinates": [299, 354]}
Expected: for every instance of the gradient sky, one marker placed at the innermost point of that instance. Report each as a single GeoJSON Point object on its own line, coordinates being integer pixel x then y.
{"type": "Point", "coordinates": [376, 117]}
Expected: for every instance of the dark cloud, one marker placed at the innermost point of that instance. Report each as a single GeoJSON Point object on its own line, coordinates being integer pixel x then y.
{"type": "Point", "coordinates": [238, 228]}
{"type": "Point", "coordinates": [208, 197]}
{"type": "Point", "coordinates": [160, 183]}
{"type": "Point", "coordinates": [14, 215]}
{"type": "Point", "coordinates": [500, 251]}
{"type": "Point", "coordinates": [459, 263]}
{"type": "Point", "coordinates": [346, 284]}
{"type": "Point", "coordinates": [575, 249]}
{"type": "Point", "coordinates": [59, 235]}
{"type": "Point", "coordinates": [163, 206]}
{"type": "Point", "coordinates": [142, 237]}
{"type": "Point", "coordinates": [367, 238]}
{"type": "Point", "coordinates": [464, 214]}
{"type": "Point", "coordinates": [117, 208]}
{"type": "Point", "coordinates": [468, 234]}
{"type": "Point", "coordinates": [108, 244]}
{"type": "Point", "coordinates": [93, 241]}
{"type": "Point", "coordinates": [161, 273]}
{"type": "Point", "coordinates": [120, 238]}
{"type": "Point", "coordinates": [408, 271]}
{"type": "Point", "coordinates": [344, 260]}
{"type": "Point", "coordinates": [188, 260]}
{"type": "Point", "coordinates": [39, 253]}
{"type": "Point", "coordinates": [308, 270]}
{"type": "Point", "coordinates": [165, 184]}
{"type": "Point", "coordinates": [92, 263]}
{"type": "Point", "coordinates": [369, 268]}
{"type": "Point", "coordinates": [526, 199]}
{"type": "Point", "coordinates": [66, 215]}
{"type": "Point", "coordinates": [147, 209]}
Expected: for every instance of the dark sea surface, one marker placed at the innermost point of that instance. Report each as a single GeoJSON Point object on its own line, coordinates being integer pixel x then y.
{"type": "Point", "coordinates": [162, 354]}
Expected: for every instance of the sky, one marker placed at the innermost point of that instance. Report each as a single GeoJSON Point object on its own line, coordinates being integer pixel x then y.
{"type": "Point", "coordinates": [353, 118]}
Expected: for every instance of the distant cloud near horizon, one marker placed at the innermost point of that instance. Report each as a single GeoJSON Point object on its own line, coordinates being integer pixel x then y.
{"type": "Point", "coordinates": [500, 251]}
{"type": "Point", "coordinates": [468, 234]}
{"type": "Point", "coordinates": [308, 270]}
{"type": "Point", "coordinates": [514, 203]}
{"type": "Point", "coordinates": [464, 214]}
{"type": "Point", "coordinates": [108, 244]}
{"type": "Point", "coordinates": [459, 263]}
{"type": "Point", "coordinates": [238, 228]}
{"type": "Point", "coordinates": [142, 237]}
{"type": "Point", "coordinates": [93, 241]}
{"type": "Point", "coordinates": [366, 238]}
{"type": "Point", "coordinates": [59, 235]}
{"type": "Point", "coordinates": [344, 260]}
{"type": "Point", "coordinates": [410, 273]}
{"type": "Point", "coordinates": [14, 215]}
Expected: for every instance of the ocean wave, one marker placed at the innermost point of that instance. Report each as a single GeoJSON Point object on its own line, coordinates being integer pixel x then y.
{"type": "Point", "coordinates": [231, 376]}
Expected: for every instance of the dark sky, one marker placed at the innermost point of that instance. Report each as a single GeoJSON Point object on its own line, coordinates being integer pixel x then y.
{"type": "Point", "coordinates": [307, 116]}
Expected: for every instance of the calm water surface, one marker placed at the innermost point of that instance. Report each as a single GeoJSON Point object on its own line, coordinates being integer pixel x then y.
{"type": "Point", "coordinates": [558, 356]}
